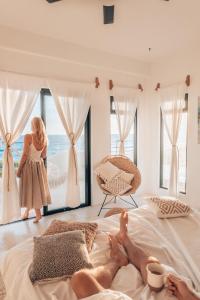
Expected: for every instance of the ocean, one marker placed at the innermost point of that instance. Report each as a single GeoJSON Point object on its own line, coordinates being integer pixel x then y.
{"type": "Point", "coordinates": [59, 143]}
{"type": "Point", "coordinates": [56, 143]}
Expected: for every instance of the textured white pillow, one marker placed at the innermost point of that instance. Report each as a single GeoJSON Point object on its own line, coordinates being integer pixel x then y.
{"type": "Point", "coordinates": [107, 171]}
{"type": "Point", "coordinates": [127, 177]}
{"type": "Point", "coordinates": [168, 208]}
{"type": "Point", "coordinates": [117, 186]}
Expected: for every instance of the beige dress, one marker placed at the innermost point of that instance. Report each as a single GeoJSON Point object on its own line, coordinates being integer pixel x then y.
{"type": "Point", "coordinates": [34, 189]}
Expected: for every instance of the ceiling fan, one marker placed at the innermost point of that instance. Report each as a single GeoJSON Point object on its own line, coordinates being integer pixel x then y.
{"type": "Point", "coordinates": [108, 11]}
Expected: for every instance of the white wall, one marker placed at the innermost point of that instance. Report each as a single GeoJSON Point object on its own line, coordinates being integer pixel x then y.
{"type": "Point", "coordinates": [30, 54]}
{"type": "Point", "coordinates": [172, 70]}
{"type": "Point", "coordinates": [41, 56]}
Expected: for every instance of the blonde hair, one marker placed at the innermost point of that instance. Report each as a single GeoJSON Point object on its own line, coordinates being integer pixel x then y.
{"type": "Point", "coordinates": [39, 131]}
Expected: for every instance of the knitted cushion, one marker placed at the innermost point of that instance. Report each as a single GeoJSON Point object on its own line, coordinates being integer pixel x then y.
{"type": "Point", "coordinates": [58, 256]}
{"type": "Point", "coordinates": [167, 208]}
{"type": "Point", "coordinates": [90, 230]}
{"type": "Point", "coordinates": [127, 177]}
{"type": "Point", "coordinates": [107, 171]}
{"type": "Point", "coordinates": [117, 186]}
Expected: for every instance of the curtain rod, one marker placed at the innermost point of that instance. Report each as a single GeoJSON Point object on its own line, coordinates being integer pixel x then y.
{"type": "Point", "coordinates": [187, 83]}
{"type": "Point", "coordinates": [96, 80]}
{"type": "Point", "coordinates": [111, 86]}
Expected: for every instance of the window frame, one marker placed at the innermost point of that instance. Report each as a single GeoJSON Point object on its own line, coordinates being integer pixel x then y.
{"type": "Point", "coordinates": [161, 185]}
{"type": "Point", "coordinates": [135, 134]}
{"type": "Point", "coordinates": [46, 211]}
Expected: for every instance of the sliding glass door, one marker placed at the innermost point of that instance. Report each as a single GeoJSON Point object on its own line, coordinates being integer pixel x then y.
{"type": "Point", "coordinates": [57, 157]}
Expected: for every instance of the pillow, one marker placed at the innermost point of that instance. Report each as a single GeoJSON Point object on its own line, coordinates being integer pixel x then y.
{"type": "Point", "coordinates": [167, 208]}
{"type": "Point", "coordinates": [90, 230]}
{"type": "Point", "coordinates": [107, 171]}
{"type": "Point", "coordinates": [2, 288]}
{"type": "Point", "coordinates": [117, 186]}
{"type": "Point", "coordinates": [58, 256]}
{"type": "Point", "coordinates": [127, 177]}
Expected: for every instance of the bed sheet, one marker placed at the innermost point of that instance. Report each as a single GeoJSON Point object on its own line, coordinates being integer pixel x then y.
{"type": "Point", "coordinates": [175, 242]}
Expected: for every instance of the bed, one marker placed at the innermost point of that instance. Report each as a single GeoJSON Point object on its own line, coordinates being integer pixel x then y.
{"type": "Point", "coordinates": [175, 242]}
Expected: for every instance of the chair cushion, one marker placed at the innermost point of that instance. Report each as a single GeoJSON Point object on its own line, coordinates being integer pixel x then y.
{"type": "Point", "coordinates": [168, 208]}
{"type": "Point", "coordinates": [107, 171]}
{"type": "Point", "coordinates": [58, 256]}
{"type": "Point", "coordinates": [127, 177]}
{"type": "Point", "coordinates": [116, 186]}
{"type": "Point", "coordinates": [90, 229]}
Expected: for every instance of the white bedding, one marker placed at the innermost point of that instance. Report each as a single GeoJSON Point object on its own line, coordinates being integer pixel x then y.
{"type": "Point", "coordinates": [175, 242]}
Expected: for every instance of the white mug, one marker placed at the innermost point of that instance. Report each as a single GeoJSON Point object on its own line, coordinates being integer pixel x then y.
{"type": "Point", "coordinates": [156, 275]}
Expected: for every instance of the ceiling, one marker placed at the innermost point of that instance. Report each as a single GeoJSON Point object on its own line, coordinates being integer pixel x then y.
{"type": "Point", "coordinates": [165, 27]}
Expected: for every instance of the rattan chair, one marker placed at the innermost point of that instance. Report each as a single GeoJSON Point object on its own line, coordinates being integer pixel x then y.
{"type": "Point", "coordinates": [125, 164]}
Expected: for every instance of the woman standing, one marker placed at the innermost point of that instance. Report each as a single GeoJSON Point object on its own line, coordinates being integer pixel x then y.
{"type": "Point", "coordinates": [34, 190]}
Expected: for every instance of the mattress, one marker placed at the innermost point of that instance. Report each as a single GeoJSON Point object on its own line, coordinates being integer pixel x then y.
{"type": "Point", "coordinates": [175, 242]}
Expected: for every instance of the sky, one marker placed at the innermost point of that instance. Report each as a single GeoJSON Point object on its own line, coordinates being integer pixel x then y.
{"type": "Point", "coordinates": [53, 123]}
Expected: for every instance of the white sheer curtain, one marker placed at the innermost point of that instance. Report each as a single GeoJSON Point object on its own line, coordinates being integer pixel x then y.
{"type": "Point", "coordinates": [125, 102]}
{"type": "Point", "coordinates": [17, 99]}
{"type": "Point", "coordinates": [73, 103]}
{"type": "Point", "coordinates": [172, 104]}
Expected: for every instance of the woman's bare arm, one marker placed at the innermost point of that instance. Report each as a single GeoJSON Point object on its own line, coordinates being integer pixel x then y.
{"type": "Point", "coordinates": [44, 152]}
{"type": "Point", "coordinates": [27, 142]}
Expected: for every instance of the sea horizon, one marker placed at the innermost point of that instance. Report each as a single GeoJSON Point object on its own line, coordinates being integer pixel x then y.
{"type": "Point", "coordinates": [59, 143]}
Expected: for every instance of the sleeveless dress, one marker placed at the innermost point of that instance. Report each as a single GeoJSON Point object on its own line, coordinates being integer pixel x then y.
{"type": "Point", "coordinates": [33, 187]}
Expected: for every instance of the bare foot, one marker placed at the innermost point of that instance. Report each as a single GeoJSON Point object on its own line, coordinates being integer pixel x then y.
{"type": "Point", "coordinates": [38, 215]}
{"type": "Point", "coordinates": [122, 234]}
{"type": "Point", "coordinates": [37, 219]}
{"type": "Point", "coordinates": [115, 252]}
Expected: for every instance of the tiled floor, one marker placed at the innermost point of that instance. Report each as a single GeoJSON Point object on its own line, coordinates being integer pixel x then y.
{"type": "Point", "coordinates": [13, 234]}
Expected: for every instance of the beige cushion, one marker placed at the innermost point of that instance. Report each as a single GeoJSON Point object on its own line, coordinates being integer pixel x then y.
{"type": "Point", "coordinates": [58, 256]}
{"type": "Point", "coordinates": [168, 208]}
{"type": "Point", "coordinates": [127, 177]}
{"type": "Point", "coordinates": [90, 230]}
{"type": "Point", "coordinates": [107, 171]}
{"type": "Point", "coordinates": [117, 186]}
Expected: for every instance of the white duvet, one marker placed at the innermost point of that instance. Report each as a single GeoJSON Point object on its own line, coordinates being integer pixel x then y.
{"type": "Point", "coordinates": [175, 242]}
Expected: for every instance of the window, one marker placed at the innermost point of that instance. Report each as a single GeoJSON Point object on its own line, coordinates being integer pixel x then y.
{"type": "Point", "coordinates": [165, 152]}
{"type": "Point", "coordinates": [131, 141]}
{"type": "Point", "coordinates": [57, 157]}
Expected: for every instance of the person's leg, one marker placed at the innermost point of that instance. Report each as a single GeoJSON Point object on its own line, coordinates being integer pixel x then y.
{"type": "Point", "coordinates": [136, 255]}
{"type": "Point", "coordinates": [91, 281]}
{"type": "Point", "coordinates": [86, 283]}
{"type": "Point", "coordinates": [26, 214]}
{"type": "Point", "coordinates": [38, 215]}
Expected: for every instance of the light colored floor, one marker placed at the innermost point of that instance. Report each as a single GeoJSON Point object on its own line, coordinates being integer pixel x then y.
{"type": "Point", "coordinates": [13, 234]}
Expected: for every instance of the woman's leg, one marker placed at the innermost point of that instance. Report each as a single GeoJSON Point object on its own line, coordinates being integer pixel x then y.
{"type": "Point", "coordinates": [26, 214]}
{"type": "Point", "coordinates": [86, 283]}
{"type": "Point", "coordinates": [38, 215]}
{"type": "Point", "coordinates": [136, 255]}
